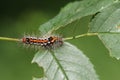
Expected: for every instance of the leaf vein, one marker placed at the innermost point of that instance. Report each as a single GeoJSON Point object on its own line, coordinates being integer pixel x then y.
{"type": "Point", "coordinates": [60, 66]}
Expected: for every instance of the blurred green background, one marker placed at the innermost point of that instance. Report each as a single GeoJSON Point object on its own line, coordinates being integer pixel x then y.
{"type": "Point", "coordinates": [18, 17]}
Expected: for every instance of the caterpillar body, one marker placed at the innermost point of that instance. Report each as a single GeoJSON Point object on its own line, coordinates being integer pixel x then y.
{"type": "Point", "coordinates": [47, 43]}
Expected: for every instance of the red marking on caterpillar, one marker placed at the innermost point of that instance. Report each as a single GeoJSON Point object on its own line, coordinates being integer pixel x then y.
{"type": "Point", "coordinates": [48, 43]}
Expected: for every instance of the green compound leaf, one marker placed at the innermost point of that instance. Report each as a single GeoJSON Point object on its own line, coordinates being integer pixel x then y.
{"type": "Point", "coordinates": [68, 62]}
{"type": "Point", "coordinates": [72, 12]}
{"type": "Point", "coordinates": [65, 63]}
{"type": "Point", "coordinates": [107, 24]}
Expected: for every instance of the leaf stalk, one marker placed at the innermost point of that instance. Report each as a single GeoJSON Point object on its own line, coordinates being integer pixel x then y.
{"type": "Point", "coordinates": [9, 39]}
{"type": "Point", "coordinates": [79, 36]}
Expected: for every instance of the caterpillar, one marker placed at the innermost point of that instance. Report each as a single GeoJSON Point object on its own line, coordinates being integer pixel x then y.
{"type": "Point", "coordinates": [47, 43]}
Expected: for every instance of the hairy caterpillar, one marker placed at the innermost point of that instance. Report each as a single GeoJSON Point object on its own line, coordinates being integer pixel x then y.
{"type": "Point", "coordinates": [50, 42]}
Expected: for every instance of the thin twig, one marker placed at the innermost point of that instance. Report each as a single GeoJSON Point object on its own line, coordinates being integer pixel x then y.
{"type": "Point", "coordinates": [82, 35]}
{"type": "Point", "coordinates": [9, 39]}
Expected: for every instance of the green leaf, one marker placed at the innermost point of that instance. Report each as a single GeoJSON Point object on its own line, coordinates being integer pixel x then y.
{"type": "Point", "coordinates": [112, 42]}
{"type": "Point", "coordinates": [106, 23]}
{"type": "Point", "coordinates": [107, 20]}
{"type": "Point", "coordinates": [72, 12]}
{"type": "Point", "coordinates": [65, 63]}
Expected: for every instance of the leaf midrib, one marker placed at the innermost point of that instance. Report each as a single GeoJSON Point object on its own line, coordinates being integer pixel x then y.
{"type": "Point", "coordinates": [60, 66]}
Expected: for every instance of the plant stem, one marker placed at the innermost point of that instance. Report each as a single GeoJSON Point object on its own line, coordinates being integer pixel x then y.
{"type": "Point", "coordinates": [9, 39]}
{"type": "Point", "coordinates": [82, 35]}
{"type": "Point", "coordinates": [68, 38]}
